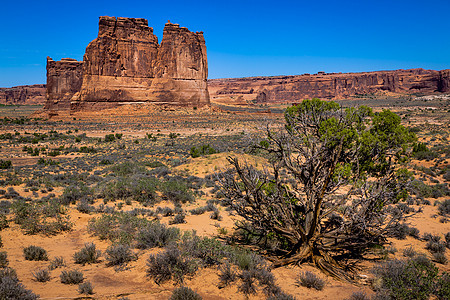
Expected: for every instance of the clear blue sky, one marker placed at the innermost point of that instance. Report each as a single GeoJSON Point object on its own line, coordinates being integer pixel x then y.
{"type": "Point", "coordinates": [243, 38]}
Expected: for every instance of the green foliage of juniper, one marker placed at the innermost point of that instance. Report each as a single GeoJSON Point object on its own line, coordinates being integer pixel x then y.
{"type": "Point", "coordinates": [322, 149]}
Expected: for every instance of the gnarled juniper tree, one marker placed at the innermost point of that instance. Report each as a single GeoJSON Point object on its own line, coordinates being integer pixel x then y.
{"type": "Point", "coordinates": [327, 196]}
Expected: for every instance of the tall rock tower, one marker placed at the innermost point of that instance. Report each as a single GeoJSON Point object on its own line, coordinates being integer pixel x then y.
{"type": "Point", "coordinates": [125, 64]}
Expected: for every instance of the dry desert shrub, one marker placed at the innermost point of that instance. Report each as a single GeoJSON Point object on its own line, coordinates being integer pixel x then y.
{"type": "Point", "coordinates": [42, 275]}
{"type": "Point", "coordinates": [119, 255]}
{"type": "Point", "coordinates": [35, 253]}
{"type": "Point", "coordinates": [71, 277]}
{"type": "Point", "coordinates": [310, 280]}
{"type": "Point", "coordinates": [86, 288]}
{"type": "Point", "coordinates": [87, 255]}
{"type": "Point", "coordinates": [184, 293]}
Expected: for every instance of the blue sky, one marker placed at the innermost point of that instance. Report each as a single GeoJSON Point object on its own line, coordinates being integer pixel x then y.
{"type": "Point", "coordinates": [243, 38]}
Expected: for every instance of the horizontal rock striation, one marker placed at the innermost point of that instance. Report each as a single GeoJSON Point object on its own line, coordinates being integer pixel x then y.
{"type": "Point", "coordinates": [23, 95]}
{"type": "Point", "coordinates": [277, 89]}
{"type": "Point", "coordinates": [126, 64]}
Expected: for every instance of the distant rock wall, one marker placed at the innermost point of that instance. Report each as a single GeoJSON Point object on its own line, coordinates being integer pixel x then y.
{"type": "Point", "coordinates": [330, 86]}
{"type": "Point", "coordinates": [125, 63]}
{"type": "Point", "coordinates": [64, 80]}
{"type": "Point", "coordinates": [23, 95]}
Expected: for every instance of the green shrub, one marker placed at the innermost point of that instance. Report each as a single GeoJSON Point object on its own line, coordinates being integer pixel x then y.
{"type": "Point", "coordinates": [3, 259]}
{"type": "Point", "coordinates": [47, 217]}
{"type": "Point", "coordinates": [444, 207]}
{"type": "Point", "coordinates": [156, 235]}
{"type": "Point", "coordinates": [170, 264]}
{"type": "Point", "coordinates": [71, 277]}
{"type": "Point", "coordinates": [110, 137]}
{"type": "Point", "coordinates": [176, 191]}
{"type": "Point", "coordinates": [119, 255]}
{"type": "Point", "coordinates": [5, 164]}
{"type": "Point", "coordinates": [184, 293]}
{"type": "Point", "coordinates": [87, 255]}
{"type": "Point", "coordinates": [202, 150]}
{"type": "Point", "coordinates": [86, 288]}
{"type": "Point", "coordinates": [310, 280]}
{"type": "Point", "coordinates": [42, 275]}
{"type": "Point", "coordinates": [57, 262]}
{"type": "Point", "coordinates": [117, 227]}
{"type": "Point", "coordinates": [54, 153]}
{"type": "Point", "coordinates": [74, 193]}
{"type": "Point", "coordinates": [442, 287]}
{"type": "Point", "coordinates": [410, 279]}
{"type": "Point", "coordinates": [35, 253]}
{"type": "Point", "coordinates": [11, 288]}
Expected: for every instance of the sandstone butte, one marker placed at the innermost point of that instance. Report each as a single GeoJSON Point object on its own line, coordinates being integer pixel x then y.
{"type": "Point", "coordinates": [126, 64]}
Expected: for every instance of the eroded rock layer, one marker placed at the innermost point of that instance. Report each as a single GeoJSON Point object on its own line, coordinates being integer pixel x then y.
{"type": "Point", "coordinates": [23, 95]}
{"type": "Point", "coordinates": [329, 86]}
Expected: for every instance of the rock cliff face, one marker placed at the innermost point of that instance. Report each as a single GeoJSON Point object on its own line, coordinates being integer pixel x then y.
{"type": "Point", "coordinates": [330, 86]}
{"type": "Point", "coordinates": [23, 95]}
{"type": "Point", "coordinates": [64, 79]}
{"type": "Point", "coordinates": [126, 64]}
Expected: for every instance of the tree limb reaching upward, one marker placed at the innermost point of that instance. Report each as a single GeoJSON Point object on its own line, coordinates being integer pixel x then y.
{"type": "Point", "coordinates": [328, 196]}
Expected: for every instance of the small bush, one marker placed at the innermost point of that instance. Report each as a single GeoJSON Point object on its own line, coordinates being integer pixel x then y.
{"type": "Point", "coordinates": [198, 211]}
{"type": "Point", "coordinates": [117, 255]}
{"type": "Point", "coordinates": [71, 277]}
{"type": "Point", "coordinates": [86, 288]}
{"type": "Point", "coordinates": [110, 137]}
{"type": "Point", "coordinates": [156, 235]}
{"type": "Point", "coordinates": [184, 293]}
{"type": "Point", "coordinates": [226, 275]}
{"type": "Point", "coordinates": [442, 287]}
{"type": "Point", "coordinates": [248, 282]}
{"type": "Point", "coordinates": [57, 262]}
{"type": "Point", "coordinates": [359, 296]}
{"type": "Point", "coordinates": [435, 246]}
{"type": "Point", "coordinates": [440, 258]}
{"type": "Point", "coordinates": [176, 191]}
{"type": "Point", "coordinates": [5, 164]}
{"type": "Point", "coordinates": [3, 259]}
{"type": "Point", "coordinates": [280, 296]}
{"type": "Point", "coordinates": [202, 150]}
{"type": "Point", "coordinates": [35, 253]}
{"type": "Point", "coordinates": [11, 288]}
{"type": "Point", "coordinates": [215, 215]}
{"type": "Point", "coordinates": [87, 255]}
{"type": "Point", "coordinates": [409, 252]}
{"type": "Point", "coordinates": [310, 280]}
{"type": "Point", "coordinates": [444, 207]}
{"type": "Point", "coordinates": [42, 275]}
{"type": "Point", "coordinates": [411, 279]}
{"type": "Point", "coordinates": [179, 218]}
{"type": "Point", "coordinates": [170, 264]}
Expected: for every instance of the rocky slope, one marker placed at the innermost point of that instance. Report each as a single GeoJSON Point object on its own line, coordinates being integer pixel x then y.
{"type": "Point", "coordinates": [23, 95]}
{"type": "Point", "coordinates": [278, 89]}
{"type": "Point", "coordinates": [125, 63]}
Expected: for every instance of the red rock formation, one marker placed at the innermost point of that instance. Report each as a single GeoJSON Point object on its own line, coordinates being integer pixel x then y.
{"type": "Point", "coordinates": [125, 64]}
{"type": "Point", "coordinates": [64, 79]}
{"type": "Point", "coordinates": [23, 95]}
{"type": "Point", "coordinates": [330, 86]}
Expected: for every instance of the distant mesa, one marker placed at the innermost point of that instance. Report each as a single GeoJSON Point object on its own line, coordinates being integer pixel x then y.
{"type": "Point", "coordinates": [282, 89]}
{"type": "Point", "coordinates": [126, 64]}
